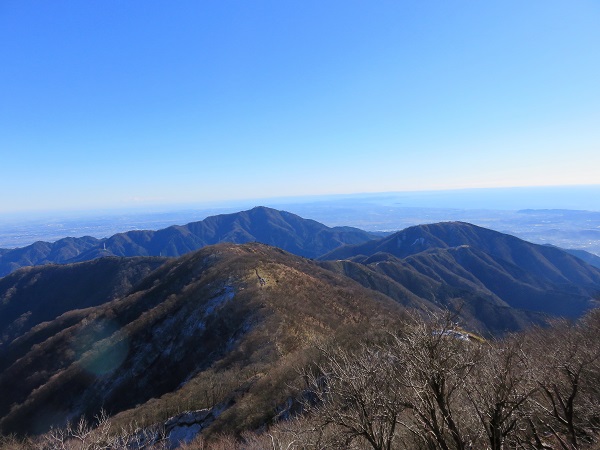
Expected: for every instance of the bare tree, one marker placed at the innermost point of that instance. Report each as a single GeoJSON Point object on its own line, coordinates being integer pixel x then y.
{"type": "Point", "coordinates": [98, 435]}
{"type": "Point", "coordinates": [81, 436]}
{"type": "Point", "coordinates": [567, 356]}
{"type": "Point", "coordinates": [437, 358]}
{"type": "Point", "coordinates": [12, 442]}
{"type": "Point", "coordinates": [498, 389]}
{"type": "Point", "coordinates": [358, 395]}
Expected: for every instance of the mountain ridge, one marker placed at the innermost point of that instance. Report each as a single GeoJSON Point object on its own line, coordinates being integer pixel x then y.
{"type": "Point", "coordinates": [228, 324]}
{"type": "Point", "coordinates": [427, 266]}
{"type": "Point", "coordinates": [416, 239]}
{"type": "Point", "coordinates": [303, 237]}
{"type": "Point", "coordinates": [501, 270]}
{"type": "Point", "coordinates": [226, 307]}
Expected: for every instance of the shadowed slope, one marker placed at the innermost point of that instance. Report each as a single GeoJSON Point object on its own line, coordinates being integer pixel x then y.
{"type": "Point", "coordinates": [33, 295]}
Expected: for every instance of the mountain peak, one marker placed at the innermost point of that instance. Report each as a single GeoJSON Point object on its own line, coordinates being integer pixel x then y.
{"type": "Point", "coordinates": [300, 236]}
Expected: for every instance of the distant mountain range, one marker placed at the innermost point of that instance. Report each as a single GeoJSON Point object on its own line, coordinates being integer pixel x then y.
{"type": "Point", "coordinates": [303, 237]}
{"type": "Point", "coordinates": [225, 327]}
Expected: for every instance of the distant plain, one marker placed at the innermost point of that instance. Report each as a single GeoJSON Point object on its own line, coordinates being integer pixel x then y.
{"type": "Point", "coordinates": [568, 217]}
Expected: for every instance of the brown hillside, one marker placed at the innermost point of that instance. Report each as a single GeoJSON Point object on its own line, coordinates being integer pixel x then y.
{"type": "Point", "coordinates": [227, 324]}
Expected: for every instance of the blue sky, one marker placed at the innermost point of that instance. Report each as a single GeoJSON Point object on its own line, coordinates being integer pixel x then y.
{"type": "Point", "coordinates": [110, 104]}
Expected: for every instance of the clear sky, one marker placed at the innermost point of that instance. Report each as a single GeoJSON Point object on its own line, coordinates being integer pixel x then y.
{"type": "Point", "coordinates": [116, 103]}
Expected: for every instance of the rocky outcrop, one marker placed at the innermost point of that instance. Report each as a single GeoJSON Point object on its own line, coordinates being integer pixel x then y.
{"type": "Point", "coordinates": [183, 428]}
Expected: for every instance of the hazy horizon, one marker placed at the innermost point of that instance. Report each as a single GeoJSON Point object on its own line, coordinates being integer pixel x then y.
{"type": "Point", "coordinates": [502, 209]}
{"type": "Point", "coordinates": [573, 197]}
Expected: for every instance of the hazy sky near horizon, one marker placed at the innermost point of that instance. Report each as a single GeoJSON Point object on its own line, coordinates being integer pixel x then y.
{"type": "Point", "coordinates": [119, 103]}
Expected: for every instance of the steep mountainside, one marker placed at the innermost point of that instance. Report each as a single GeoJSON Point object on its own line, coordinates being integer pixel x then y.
{"type": "Point", "coordinates": [37, 294]}
{"type": "Point", "coordinates": [288, 231]}
{"type": "Point", "coordinates": [226, 325]}
{"type": "Point", "coordinates": [477, 308]}
{"type": "Point", "coordinates": [463, 260]}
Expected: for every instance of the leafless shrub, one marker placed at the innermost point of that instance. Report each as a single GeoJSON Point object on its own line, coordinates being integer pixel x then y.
{"type": "Point", "coordinates": [96, 435]}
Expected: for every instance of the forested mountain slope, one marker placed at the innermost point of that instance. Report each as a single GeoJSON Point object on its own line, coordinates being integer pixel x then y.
{"type": "Point", "coordinates": [245, 314]}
